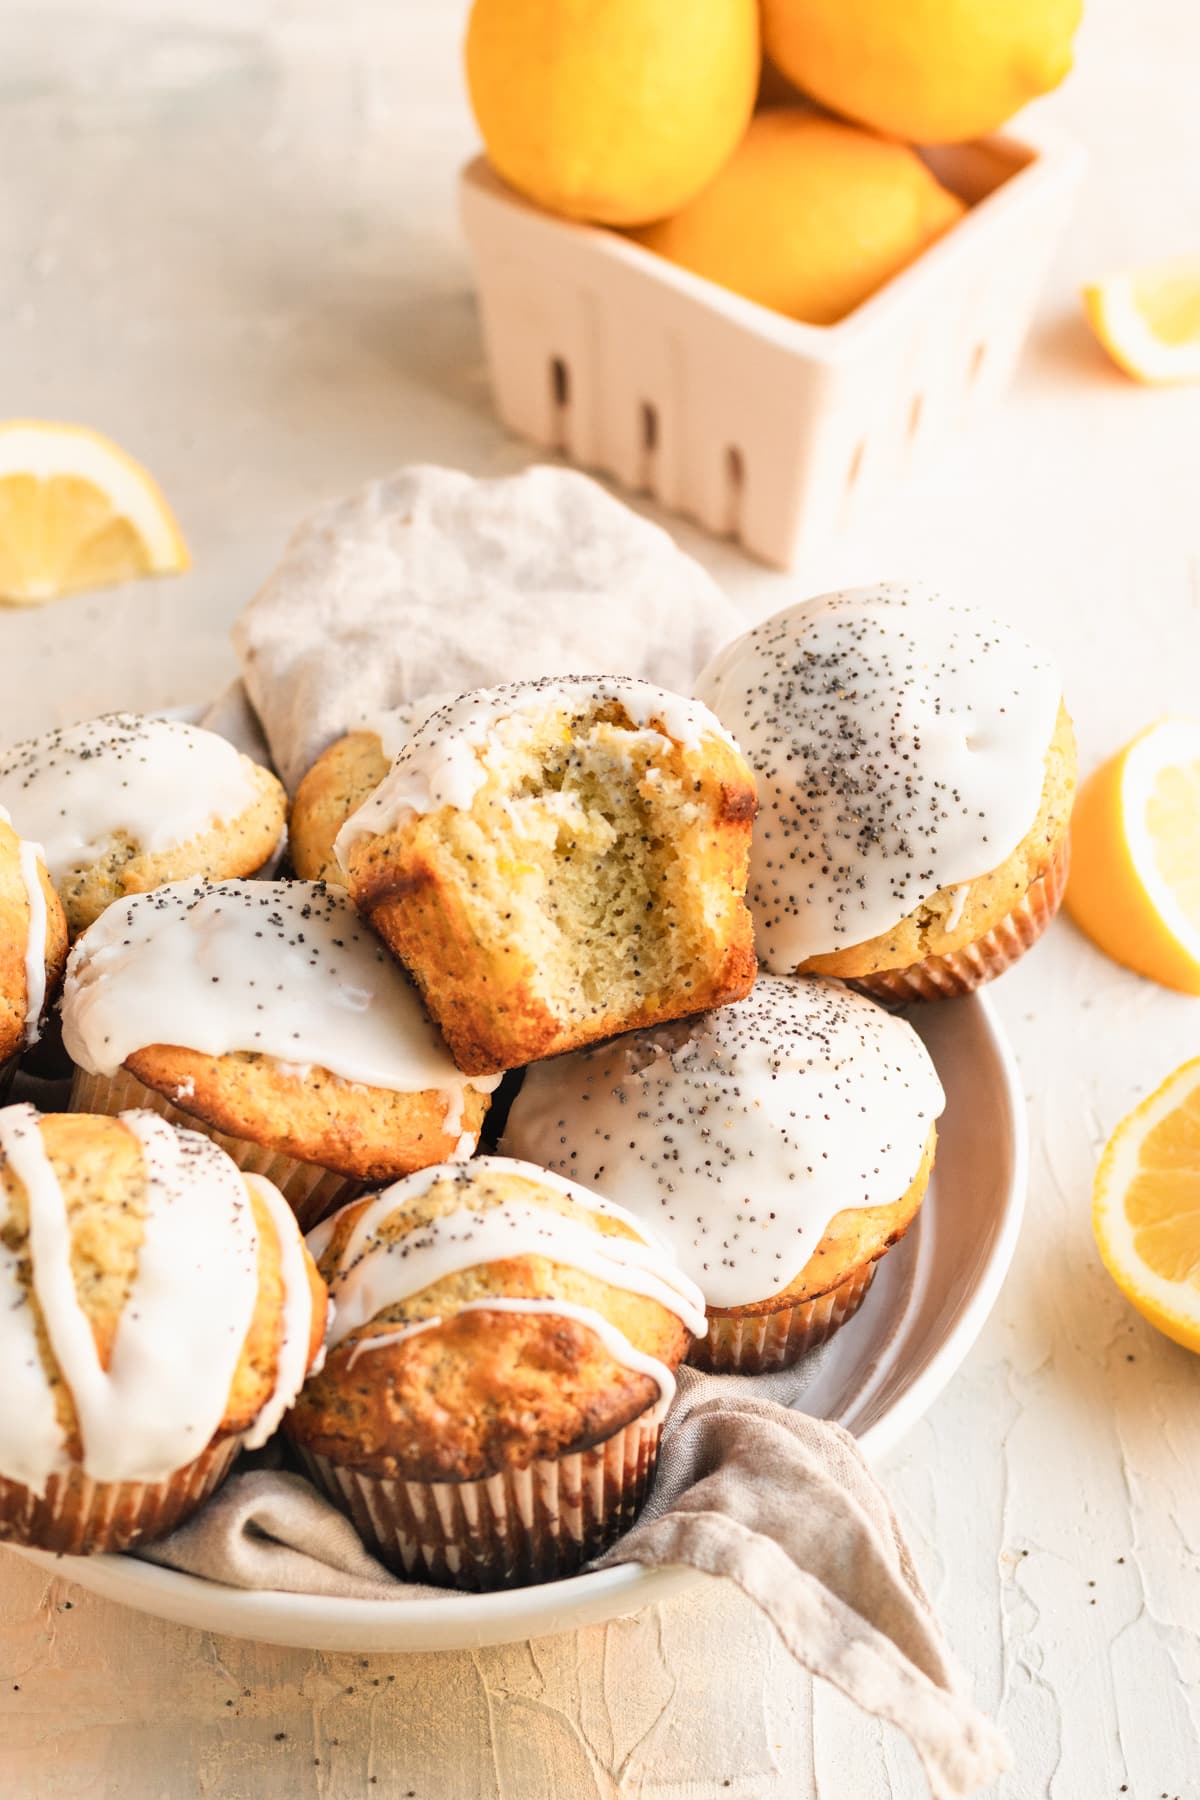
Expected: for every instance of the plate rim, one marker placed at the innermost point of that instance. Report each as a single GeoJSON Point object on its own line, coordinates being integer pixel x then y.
{"type": "Point", "coordinates": [470, 1620]}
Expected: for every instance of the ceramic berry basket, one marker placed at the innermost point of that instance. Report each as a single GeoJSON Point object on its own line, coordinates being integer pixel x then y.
{"type": "Point", "coordinates": [760, 428]}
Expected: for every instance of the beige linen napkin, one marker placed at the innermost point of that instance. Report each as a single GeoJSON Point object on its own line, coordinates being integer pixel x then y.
{"type": "Point", "coordinates": [429, 582]}
{"type": "Point", "coordinates": [748, 1489]}
{"type": "Point", "coordinates": [432, 581]}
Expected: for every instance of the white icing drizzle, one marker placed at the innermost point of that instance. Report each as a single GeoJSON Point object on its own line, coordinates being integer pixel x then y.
{"type": "Point", "coordinates": [900, 743]}
{"type": "Point", "coordinates": [159, 782]}
{"type": "Point", "coordinates": [284, 968]}
{"type": "Point", "coordinates": [292, 1364]}
{"type": "Point", "coordinates": [32, 1447]}
{"type": "Point", "coordinates": [185, 1319]}
{"type": "Point", "coordinates": [737, 1136]}
{"type": "Point", "coordinates": [958, 903]}
{"type": "Point", "coordinates": [374, 1273]}
{"type": "Point", "coordinates": [613, 1339]}
{"type": "Point", "coordinates": [445, 762]}
{"type": "Point", "coordinates": [394, 725]}
{"type": "Point", "coordinates": [35, 943]}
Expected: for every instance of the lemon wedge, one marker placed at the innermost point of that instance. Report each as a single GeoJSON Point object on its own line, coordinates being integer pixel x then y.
{"type": "Point", "coordinates": [1146, 1207]}
{"type": "Point", "coordinates": [1134, 886]}
{"type": "Point", "coordinates": [77, 512]}
{"type": "Point", "coordinates": [1149, 319]}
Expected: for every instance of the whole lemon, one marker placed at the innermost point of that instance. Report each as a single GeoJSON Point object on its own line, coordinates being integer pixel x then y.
{"type": "Point", "coordinates": [612, 110]}
{"type": "Point", "coordinates": [930, 71]}
{"type": "Point", "coordinates": [809, 216]}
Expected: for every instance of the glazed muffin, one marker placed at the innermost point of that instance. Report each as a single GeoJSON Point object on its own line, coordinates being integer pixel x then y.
{"type": "Point", "coordinates": [125, 803]}
{"type": "Point", "coordinates": [343, 777]}
{"type": "Point", "coordinates": [161, 1314]}
{"type": "Point", "coordinates": [779, 1148]}
{"type": "Point", "coordinates": [33, 947]}
{"type": "Point", "coordinates": [557, 860]}
{"type": "Point", "coordinates": [916, 769]}
{"type": "Point", "coordinates": [503, 1352]}
{"type": "Point", "coordinates": [266, 1015]}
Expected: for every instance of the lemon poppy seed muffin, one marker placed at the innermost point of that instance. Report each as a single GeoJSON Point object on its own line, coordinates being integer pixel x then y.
{"type": "Point", "coordinates": [916, 769]}
{"type": "Point", "coordinates": [158, 1313]}
{"type": "Point", "coordinates": [343, 777]}
{"type": "Point", "coordinates": [266, 1014]}
{"type": "Point", "coordinates": [778, 1147]}
{"type": "Point", "coordinates": [126, 803]}
{"type": "Point", "coordinates": [557, 860]}
{"type": "Point", "coordinates": [503, 1351]}
{"type": "Point", "coordinates": [33, 946]}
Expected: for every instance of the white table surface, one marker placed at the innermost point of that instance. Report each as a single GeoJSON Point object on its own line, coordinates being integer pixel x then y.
{"type": "Point", "coordinates": [228, 237]}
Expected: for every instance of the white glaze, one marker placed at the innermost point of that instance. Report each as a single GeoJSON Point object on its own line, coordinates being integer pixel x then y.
{"type": "Point", "coordinates": [445, 762]}
{"type": "Point", "coordinates": [29, 855]}
{"type": "Point", "coordinates": [158, 782]}
{"type": "Point", "coordinates": [394, 725]}
{"type": "Point", "coordinates": [737, 1136]}
{"type": "Point", "coordinates": [185, 1319]}
{"type": "Point", "coordinates": [284, 968]}
{"type": "Point", "coordinates": [613, 1339]}
{"type": "Point", "coordinates": [32, 1447]}
{"type": "Point", "coordinates": [375, 1274]}
{"type": "Point", "coordinates": [291, 1367]}
{"type": "Point", "coordinates": [900, 743]}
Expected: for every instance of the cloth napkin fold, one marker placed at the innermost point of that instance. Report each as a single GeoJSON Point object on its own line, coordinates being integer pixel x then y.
{"type": "Point", "coordinates": [431, 582]}
{"type": "Point", "coordinates": [427, 582]}
{"type": "Point", "coordinates": [747, 1488]}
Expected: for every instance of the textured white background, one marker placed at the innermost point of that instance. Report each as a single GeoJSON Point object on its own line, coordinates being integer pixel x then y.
{"type": "Point", "coordinates": [227, 236]}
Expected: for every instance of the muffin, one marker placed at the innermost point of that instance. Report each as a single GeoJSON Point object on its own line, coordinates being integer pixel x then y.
{"type": "Point", "coordinates": [33, 947]}
{"type": "Point", "coordinates": [161, 1314]}
{"type": "Point", "coordinates": [341, 779]}
{"type": "Point", "coordinates": [503, 1352]}
{"type": "Point", "coordinates": [125, 803]}
{"type": "Point", "coordinates": [557, 860]}
{"type": "Point", "coordinates": [779, 1148]}
{"type": "Point", "coordinates": [916, 767]}
{"type": "Point", "coordinates": [264, 1014]}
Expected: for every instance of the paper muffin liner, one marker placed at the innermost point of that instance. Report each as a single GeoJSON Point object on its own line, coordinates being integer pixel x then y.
{"type": "Point", "coordinates": [310, 1191]}
{"type": "Point", "coordinates": [755, 1343]}
{"type": "Point", "coordinates": [962, 971]}
{"type": "Point", "coordinates": [507, 1530]}
{"type": "Point", "coordinates": [77, 1516]}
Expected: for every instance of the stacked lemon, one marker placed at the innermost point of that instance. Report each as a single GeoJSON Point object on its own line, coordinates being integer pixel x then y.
{"type": "Point", "coordinates": [640, 113]}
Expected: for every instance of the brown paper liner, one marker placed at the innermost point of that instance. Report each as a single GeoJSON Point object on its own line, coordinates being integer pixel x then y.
{"type": "Point", "coordinates": [507, 1530]}
{"type": "Point", "coordinates": [962, 971]}
{"type": "Point", "coordinates": [77, 1516]}
{"type": "Point", "coordinates": [309, 1190]}
{"type": "Point", "coordinates": [754, 1343]}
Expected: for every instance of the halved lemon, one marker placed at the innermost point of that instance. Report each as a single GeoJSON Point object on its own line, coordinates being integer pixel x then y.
{"type": "Point", "coordinates": [77, 512]}
{"type": "Point", "coordinates": [1146, 1206]}
{"type": "Point", "coordinates": [1134, 885]}
{"type": "Point", "coordinates": [1149, 319]}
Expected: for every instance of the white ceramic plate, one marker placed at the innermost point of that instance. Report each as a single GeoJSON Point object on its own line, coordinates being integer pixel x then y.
{"type": "Point", "coordinates": [877, 1377]}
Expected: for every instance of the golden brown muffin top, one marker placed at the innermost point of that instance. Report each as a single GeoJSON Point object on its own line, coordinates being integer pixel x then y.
{"type": "Point", "coordinates": [127, 802]}
{"type": "Point", "coordinates": [488, 1315]}
{"type": "Point", "coordinates": [17, 918]}
{"type": "Point", "coordinates": [337, 784]}
{"type": "Point", "coordinates": [157, 1226]}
